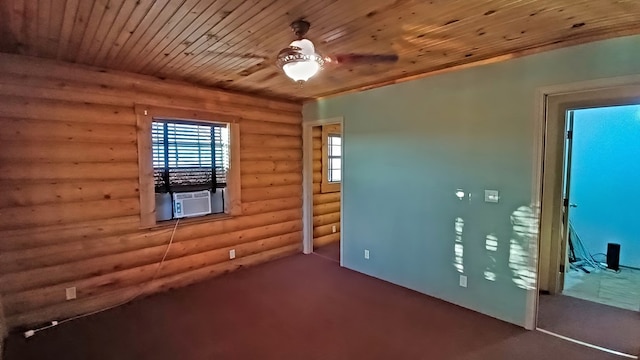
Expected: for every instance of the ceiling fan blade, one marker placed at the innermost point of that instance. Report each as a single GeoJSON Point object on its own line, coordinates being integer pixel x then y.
{"type": "Point", "coordinates": [363, 58]}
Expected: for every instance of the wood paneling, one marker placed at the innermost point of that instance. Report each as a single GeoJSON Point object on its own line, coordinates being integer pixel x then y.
{"type": "Point", "coordinates": [326, 206]}
{"type": "Point", "coordinates": [233, 44]}
{"type": "Point", "coordinates": [70, 209]}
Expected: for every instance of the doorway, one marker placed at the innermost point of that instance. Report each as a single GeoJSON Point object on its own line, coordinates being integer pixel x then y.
{"type": "Point", "coordinates": [592, 250]}
{"type": "Point", "coordinates": [603, 252]}
{"type": "Point", "coordinates": [323, 188]}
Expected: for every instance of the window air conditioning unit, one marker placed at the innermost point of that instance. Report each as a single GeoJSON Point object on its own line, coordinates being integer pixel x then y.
{"type": "Point", "coordinates": [188, 204]}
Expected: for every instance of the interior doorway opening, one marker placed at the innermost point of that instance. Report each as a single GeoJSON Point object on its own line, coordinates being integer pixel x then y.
{"type": "Point", "coordinates": [603, 244]}
{"type": "Point", "coordinates": [327, 179]}
{"type": "Point", "coordinates": [589, 245]}
{"type": "Point", "coordinates": [322, 187]}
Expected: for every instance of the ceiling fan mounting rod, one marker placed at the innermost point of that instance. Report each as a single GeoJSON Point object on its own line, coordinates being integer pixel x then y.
{"type": "Point", "coordinates": [300, 28]}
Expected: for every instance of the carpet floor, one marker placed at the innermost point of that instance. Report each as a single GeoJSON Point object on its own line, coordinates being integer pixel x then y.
{"type": "Point", "coordinates": [330, 251]}
{"type": "Point", "coordinates": [594, 323]}
{"type": "Point", "coordinates": [299, 307]}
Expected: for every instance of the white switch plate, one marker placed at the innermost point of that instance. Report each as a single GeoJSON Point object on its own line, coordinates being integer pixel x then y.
{"type": "Point", "coordinates": [491, 196]}
{"type": "Point", "coordinates": [232, 254]}
{"type": "Point", "coordinates": [366, 253]}
{"type": "Point", "coordinates": [70, 293]}
{"type": "Point", "coordinates": [333, 228]}
{"type": "Point", "coordinates": [463, 281]}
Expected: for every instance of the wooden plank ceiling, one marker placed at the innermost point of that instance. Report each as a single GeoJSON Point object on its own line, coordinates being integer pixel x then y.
{"type": "Point", "coordinates": [233, 43]}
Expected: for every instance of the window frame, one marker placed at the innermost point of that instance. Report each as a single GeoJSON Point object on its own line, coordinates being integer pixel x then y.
{"type": "Point", "coordinates": [145, 115]}
{"type": "Point", "coordinates": [327, 186]}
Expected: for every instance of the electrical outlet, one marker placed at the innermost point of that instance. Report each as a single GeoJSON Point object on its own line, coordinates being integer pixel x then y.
{"type": "Point", "coordinates": [491, 196]}
{"type": "Point", "coordinates": [366, 254]}
{"type": "Point", "coordinates": [463, 281]}
{"type": "Point", "coordinates": [333, 229]}
{"type": "Point", "coordinates": [232, 254]}
{"type": "Point", "coordinates": [70, 293]}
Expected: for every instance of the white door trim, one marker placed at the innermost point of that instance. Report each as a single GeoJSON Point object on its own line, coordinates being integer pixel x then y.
{"type": "Point", "coordinates": [541, 128]}
{"type": "Point", "coordinates": [307, 182]}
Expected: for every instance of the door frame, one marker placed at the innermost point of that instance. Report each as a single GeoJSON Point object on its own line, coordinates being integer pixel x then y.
{"type": "Point", "coordinates": [307, 181]}
{"type": "Point", "coordinates": [549, 146]}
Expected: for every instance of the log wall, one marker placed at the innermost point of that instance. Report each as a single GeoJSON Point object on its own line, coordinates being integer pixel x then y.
{"type": "Point", "coordinates": [70, 206]}
{"type": "Point", "coordinates": [326, 206]}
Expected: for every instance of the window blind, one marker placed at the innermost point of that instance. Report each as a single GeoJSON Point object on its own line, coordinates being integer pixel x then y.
{"type": "Point", "coordinates": [189, 156]}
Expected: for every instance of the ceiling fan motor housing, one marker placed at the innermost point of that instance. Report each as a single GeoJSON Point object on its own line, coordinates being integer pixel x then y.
{"type": "Point", "coordinates": [300, 28]}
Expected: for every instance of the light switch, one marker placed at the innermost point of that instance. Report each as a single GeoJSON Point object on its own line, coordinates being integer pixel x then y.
{"type": "Point", "coordinates": [491, 196]}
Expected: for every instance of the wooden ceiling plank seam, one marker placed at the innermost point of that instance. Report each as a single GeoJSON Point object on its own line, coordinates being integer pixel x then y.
{"type": "Point", "coordinates": [236, 23]}
{"type": "Point", "coordinates": [134, 36]}
{"type": "Point", "coordinates": [81, 22]}
{"type": "Point", "coordinates": [127, 11]}
{"type": "Point", "coordinates": [58, 8]}
{"type": "Point", "coordinates": [15, 25]}
{"type": "Point", "coordinates": [30, 25]}
{"type": "Point", "coordinates": [268, 18]}
{"type": "Point", "coordinates": [117, 24]}
{"type": "Point", "coordinates": [272, 30]}
{"type": "Point", "coordinates": [99, 14]}
{"type": "Point", "coordinates": [118, 11]}
{"type": "Point", "coordinates": [71, 9]}
{"type": "Point", "coordinates": [173, 47]}
{"type": "Point", "coordinates": [108, 53]}
{"type": "Point", "coordinates": [232, 9]}
{"type": "Point", "coordinates": [155, 26]}
{"type": "Point", "coordinates": [166, 43]}
{"type": "Point", "coordinates": [181, 18]}
{"type": "Point", "coordinates": [44, 18]}
{"type": "Point", "coordinates": [319, 21]}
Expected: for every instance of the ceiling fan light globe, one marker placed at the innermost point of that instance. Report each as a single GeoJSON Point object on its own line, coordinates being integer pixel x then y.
{"type": "Point", "coordinates": [305, 45]}
{"type": "Point", "coordinates": [301, 70]}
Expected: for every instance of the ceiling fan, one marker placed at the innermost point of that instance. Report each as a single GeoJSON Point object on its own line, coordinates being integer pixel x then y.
{"type": "Point", "coordinates": [299, 61]}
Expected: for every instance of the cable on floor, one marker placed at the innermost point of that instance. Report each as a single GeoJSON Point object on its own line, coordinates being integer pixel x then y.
{"type": "Point", "coordinates": [143, 287]}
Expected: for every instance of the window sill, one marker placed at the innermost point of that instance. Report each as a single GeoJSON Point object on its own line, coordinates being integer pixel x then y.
{"type": "Point", "coordinates": [329, 187]}
{"type": "Point", "coordinates": [190, 221]}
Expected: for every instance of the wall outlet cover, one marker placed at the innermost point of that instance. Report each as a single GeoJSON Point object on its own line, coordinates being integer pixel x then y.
{"type": "Point", "coordinates": [333, 229]}
{"type": "Point", "coordinates": [463, 281]}
{"type": "Point", "coordinates": [70, 293]}
{"type": "Point", "coordinates": [232, 254]}
{"type": "Point", "coordinates": [366, 254]}
{"type": "Point", "coordinates": [491, 196]}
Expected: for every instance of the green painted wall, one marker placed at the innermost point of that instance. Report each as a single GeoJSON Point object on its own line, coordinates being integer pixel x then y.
{"type": "Point", "coordinates": [409, 147]}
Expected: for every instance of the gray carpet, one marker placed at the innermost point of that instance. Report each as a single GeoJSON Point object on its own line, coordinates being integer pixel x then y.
{"type": "Point", "coordinates": [300, 307]}
{"type": "Point", "coordinates": [602, 325]}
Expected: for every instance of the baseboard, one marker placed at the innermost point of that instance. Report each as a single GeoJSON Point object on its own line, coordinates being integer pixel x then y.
{"type": "Point", "coordinates": [629, 267]}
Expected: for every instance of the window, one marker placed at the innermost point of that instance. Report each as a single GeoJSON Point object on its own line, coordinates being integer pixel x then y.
{"type": "Point", "coordinates": [189, 157]}
{"type": "Point", "coordinates": [187, 164]}
{"type": "Point", "coordinates": [334, 158]}
{"type": "Point", "coordinates": [331, 158]}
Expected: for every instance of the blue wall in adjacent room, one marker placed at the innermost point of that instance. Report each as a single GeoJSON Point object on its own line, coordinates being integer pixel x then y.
{"type": "Point", "coordinates": [605, 176]}
{"type": "Point", "coordinates": [409, 147]}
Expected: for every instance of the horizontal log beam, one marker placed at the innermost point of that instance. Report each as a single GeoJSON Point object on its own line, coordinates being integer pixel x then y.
{"type": "Point", "coordinates": [326, 240]}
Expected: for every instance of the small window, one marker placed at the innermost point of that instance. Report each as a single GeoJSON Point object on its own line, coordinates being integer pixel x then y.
{"type": "Point", "coordinates": [189, 157]}
{"type": "Point", "coordinates": [331, 158]}
{"type": "Point", "coordinates": [334, 157]}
